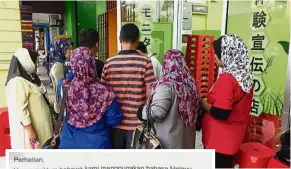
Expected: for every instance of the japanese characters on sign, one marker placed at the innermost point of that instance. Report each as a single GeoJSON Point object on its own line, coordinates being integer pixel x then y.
{"type": "Point", "coordinates": [257, 107]}
{"type": "Point", "coordinates": [259, 3]}
{"type": "Point", "coordinates": [148, 41]}
{"type": "Point", "coordinates": [259, 85]}
{"type": "Point", "coordinates": [258, 64]}
{"type": "Point", "coordinates": [146, 25]}
{"type": "Point", "coordinates": [258, 43]}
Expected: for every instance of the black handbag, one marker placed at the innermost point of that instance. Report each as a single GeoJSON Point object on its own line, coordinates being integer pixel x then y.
{"type": "Point", "coordinates": [144, 136]}
{"type": "Point", "coordinates": [54, 142]}
{"type": "Point", "coordinates": [200, 116]}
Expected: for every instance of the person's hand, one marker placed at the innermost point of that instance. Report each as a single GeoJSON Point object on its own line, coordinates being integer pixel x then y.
{"type": "Point", "coordinates": [205, 105]}
{"type": "Point", "coordinates": [203, 101]}
{"type": "Point", "coordinates": [141, 122]}
{"type": "Point", "coordinates": [31, 134]}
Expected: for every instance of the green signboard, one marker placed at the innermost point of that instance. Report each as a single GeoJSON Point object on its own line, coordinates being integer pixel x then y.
{"type": "Point", "coordinates": [264, 25]}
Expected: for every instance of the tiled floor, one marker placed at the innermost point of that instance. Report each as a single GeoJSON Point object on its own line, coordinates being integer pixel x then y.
{"type": "Point", "coordinates": [45, 79]}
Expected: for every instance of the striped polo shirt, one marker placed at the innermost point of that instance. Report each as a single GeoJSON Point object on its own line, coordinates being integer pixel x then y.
{"type": "Point", "coordinates": [127, 74]}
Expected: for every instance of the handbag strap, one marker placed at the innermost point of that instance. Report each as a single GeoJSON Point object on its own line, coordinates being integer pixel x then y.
{"type": "Point", "coordinates": [46, 100]}
{"type": "Point", "coordinates": [150, 121]}
{"type": "Point", "coordinates": [62, 110]}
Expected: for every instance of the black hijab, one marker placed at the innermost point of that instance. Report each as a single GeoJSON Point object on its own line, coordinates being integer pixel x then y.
{"type": "Point", "coordinates": [217, 47]}
{"type": "Point", "coordinates": [16, 69]}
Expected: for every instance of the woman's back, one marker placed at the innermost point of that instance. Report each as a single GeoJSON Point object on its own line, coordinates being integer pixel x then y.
{"type": "Point", "coordinates": [227, 135]}
{"type": "Point", "coordinates": [91, 108]}
{"type": "Point", "coordinates": [170, 128]}
{"type": "Point", "coordinates": [93, 137]}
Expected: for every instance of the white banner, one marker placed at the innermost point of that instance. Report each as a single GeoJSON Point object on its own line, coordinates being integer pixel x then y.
{"type": "Point", "coordinates": [110, 159]}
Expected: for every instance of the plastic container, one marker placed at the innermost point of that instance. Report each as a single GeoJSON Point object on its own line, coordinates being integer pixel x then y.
{"type": "Point", "coordinates": [254, 155]}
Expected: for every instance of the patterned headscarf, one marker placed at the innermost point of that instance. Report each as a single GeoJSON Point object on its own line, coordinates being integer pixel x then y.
{"type": "Point", "coordinates": [235, 61]}
{"type": "Point", "coordinates": [88, 99]}
{"type": "Point", "coordinates": [176, 74]}
{"type": "Point", "coordinates": [58, 51]}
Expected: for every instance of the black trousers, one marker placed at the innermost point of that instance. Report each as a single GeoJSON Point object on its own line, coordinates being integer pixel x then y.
{"type": "Point", "coordinates": [223, 160]}
{"type": "Point", "coordinates": [121, 139]}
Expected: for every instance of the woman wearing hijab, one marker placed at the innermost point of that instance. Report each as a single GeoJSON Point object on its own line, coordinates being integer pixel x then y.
{"type": "Point", "coordinates": [60, 52]}
{"type": "Point", "coordinates": [29, 114]}
{"type": "Point", "coordinates": [91, 108]}
{"type": "Point", "coordinates": [174, 103]}
{"type": "Point", "coordinates": [229, 101]}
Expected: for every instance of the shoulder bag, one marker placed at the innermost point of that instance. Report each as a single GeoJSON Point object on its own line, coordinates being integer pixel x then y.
{"type": "Point", "coordinates": [144, 136]}
{"type": "Point", "coordinates": [54, 142]}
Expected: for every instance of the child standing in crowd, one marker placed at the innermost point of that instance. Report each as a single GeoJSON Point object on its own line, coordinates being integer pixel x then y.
{"type": "Point", "coordinates": [130, 76]}
{"type": "Point", "coordinates": [142, 49]}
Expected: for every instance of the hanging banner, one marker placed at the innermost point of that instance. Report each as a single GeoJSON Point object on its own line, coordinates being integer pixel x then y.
{"type": "Point", "coordinates": [265, 28]}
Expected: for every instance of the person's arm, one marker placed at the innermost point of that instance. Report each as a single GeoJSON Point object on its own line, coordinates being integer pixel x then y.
{"type": "Point", "coordinates": [224, 98]}
{"type": "Point", "coordinates": [99, 68]}
{"type": "Point", "coordinates": [149, 77]}
{"type": "Point", "coordinates": [161, 103]}
{"type": "Point", "coordinates": [59, 89]}
{"type": "Point", "coordinates": [19, 93]}
{"type": "Point", "coordinates": [57, 75]}
{"type": "Point", "coordinates": [157, 67]}
{"type": "Point", "coordinates": [104, 74]}
{"type": "Point", "coordinates": [113, 115]}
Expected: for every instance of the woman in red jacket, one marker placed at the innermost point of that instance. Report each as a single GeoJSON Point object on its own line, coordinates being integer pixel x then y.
{"type": "Point", "coordinates": [229, 101]}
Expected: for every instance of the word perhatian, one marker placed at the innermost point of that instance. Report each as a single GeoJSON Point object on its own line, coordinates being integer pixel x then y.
{"type": "Point", "coordinates": [28, 160]}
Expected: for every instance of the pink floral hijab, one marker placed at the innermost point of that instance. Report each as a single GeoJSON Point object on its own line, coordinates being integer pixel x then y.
{"type": "Point", "coordinates": [176, 73]}
{"type": "Point", "coordinates": [88, 99]}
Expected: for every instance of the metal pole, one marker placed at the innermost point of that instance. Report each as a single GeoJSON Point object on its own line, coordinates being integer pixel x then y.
{"type": "Point", "coordinates": [175, 24]}
{"type": "Point", "coordinates": [224, 22]}
{"type": "Point", "coordinates": [287, 100]}
{"type": "Point", "coordinates": [180, 24]}
{"type": "Point", "coordinates": [224, 17]}
{"type": "Point", "coordinates": [118, 23]}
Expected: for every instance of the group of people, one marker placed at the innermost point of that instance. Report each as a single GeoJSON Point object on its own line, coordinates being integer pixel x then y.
{"type": "Point", "coordinates": [105, 102]}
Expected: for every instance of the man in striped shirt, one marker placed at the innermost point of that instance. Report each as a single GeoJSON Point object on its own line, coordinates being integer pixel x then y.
{"type": "Point", "coordinates": [130, 76]}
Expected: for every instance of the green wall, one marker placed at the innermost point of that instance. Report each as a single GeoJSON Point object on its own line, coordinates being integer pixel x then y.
{"type": "Point", "coordinates": [70, 17]}
{"type": "Point", "coordinates": [87, 13]}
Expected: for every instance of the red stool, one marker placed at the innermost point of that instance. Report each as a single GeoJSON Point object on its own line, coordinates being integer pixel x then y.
{"type": "Point", "coordinates": [254, 155]}
{"type": "Point", "coordinates": [5, 142]}
{"type": "Point", "coordinates": [274, 163]}
{"type": "Point", "coordinates": [2, 149]}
